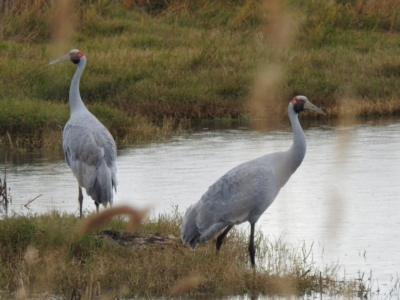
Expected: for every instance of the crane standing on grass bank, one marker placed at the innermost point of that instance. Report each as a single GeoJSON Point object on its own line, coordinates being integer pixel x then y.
{"type": "Point", "coordinates": [88, 146]}
{"type": "Point", "coordinates": [246, 191]}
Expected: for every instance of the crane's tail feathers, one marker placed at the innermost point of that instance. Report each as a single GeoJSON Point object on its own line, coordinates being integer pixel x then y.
{"type": "Point", "coordinates": [193, 244]}
{"type": "Point", "coordinates": [192, 234]}
{"type": "Point", "coordinates": [102, 189]}
{"type": "Point", "coordinates": [114, 180]}
{"type": "Point", "coordinates": [189, 232]}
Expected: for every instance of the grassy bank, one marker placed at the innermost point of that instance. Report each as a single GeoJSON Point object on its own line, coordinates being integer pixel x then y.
{"type": "Point", "coordinates": [46, 254]}
{"type": "Point", "coordinates": [153, 63]}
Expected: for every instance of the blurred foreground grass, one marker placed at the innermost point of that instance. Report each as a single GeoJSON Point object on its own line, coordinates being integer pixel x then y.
{"type": "Point", "coordinates": [47, 255]}
{"type": "Point", "coordinates": [154, 65]}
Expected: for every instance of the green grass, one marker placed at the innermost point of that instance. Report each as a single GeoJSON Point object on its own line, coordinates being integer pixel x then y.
{"type": "Point", "coordinates": [183, 60]}
{"type": "Point", "coordinates": [31, 123]}
{"type": "Point", "coordinates": [45, 254]}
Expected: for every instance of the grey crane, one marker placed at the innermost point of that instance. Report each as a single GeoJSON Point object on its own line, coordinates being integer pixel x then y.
{"type": "Point", "coordinates": [246, 191]}
{"type": "Point", "coordinates": [88, 146]}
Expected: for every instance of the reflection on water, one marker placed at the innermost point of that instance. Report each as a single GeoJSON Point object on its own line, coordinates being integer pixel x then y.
{"type": "Point", "coordinates": [343, 198]}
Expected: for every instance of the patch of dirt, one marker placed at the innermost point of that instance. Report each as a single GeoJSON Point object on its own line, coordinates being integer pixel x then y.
{"type": "Point", "coordinates": [133, 239]}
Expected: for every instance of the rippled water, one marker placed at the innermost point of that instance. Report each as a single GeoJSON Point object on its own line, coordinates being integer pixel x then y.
{"type": "Point", "coordinates": [344, 198]}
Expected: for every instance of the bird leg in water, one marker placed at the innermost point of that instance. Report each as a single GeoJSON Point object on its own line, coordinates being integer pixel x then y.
{"type": "Point", "coordinates": [252, 250]}
{"type": "Point", "coordinates": [222, 236]}
{"type": "Point", "coordinates": [97, 206]}
{"type": "Point", "coordinates": [80, 199]}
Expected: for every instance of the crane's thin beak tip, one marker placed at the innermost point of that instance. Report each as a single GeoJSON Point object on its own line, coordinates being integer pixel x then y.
{"type": "Point", "coordinates": [318, 110]}
{"type": "Point", "coordinates": [55, 61]}
{"type": "Point", "coordinates": [60, 59]}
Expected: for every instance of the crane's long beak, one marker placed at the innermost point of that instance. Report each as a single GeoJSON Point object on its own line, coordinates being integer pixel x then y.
{"type": "Point", "coordinates": [60, 59]}
{"type": "Point", "coordinates": [308, 105]}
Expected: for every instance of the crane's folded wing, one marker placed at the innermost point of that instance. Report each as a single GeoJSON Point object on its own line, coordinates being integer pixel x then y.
{"type": "Point", "coordinates": [86, 154]}
{"type": "Point", "coordinates": [239, 193]}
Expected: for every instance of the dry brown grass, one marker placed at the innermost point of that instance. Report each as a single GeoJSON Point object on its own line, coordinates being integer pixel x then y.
{"type": "Point", "coordinates": [185, 285]}
{"type": "Point", "coordinates": [48, 256]}
{"type": "Point", "coordinates": [94, 222]}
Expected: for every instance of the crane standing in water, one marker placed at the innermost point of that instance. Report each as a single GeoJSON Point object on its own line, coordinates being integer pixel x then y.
{"type": "Point", "coordinates": [88, 146]}
{"type": "Point", "coordinates": [246, 191]}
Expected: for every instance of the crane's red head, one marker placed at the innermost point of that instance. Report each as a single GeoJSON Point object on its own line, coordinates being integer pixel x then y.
{"type": "Point", "coordinates": [301, 103]}
{"type": "Point", "coordinates": [75, 55]}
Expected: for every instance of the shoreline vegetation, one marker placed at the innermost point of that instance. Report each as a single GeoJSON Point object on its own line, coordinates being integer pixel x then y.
{"type": "Point", "coordinates": [52, 255]}
{"type": "Point", "coordinates": [153, 66]}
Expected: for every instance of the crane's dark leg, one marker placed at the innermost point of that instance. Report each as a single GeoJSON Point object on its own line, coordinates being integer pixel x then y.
{"type": "Point", "coordinates": [252, 250]}
{"type": "Point", "coordinates": [97, 207]}
{"type": "Point", "coordinates": [222, 236]}
{"type": "Point", "coordinates": [80, 199]}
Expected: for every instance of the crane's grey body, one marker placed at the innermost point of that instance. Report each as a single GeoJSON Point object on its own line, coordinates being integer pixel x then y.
{"type": "Point", "coordinates": [242, 194]}
{"type": "Point", "coordinates": [89, 148]}
{"type": "Point", "coordinates": [90, 152]}
{"type": "Point", "coordinates": [245, 192]}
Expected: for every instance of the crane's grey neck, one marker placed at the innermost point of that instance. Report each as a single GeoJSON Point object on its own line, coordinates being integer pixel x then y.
{"type": "Point", "coordinates": [299, 146]}
{"type": "Point", "coordinates": [75, 100]}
